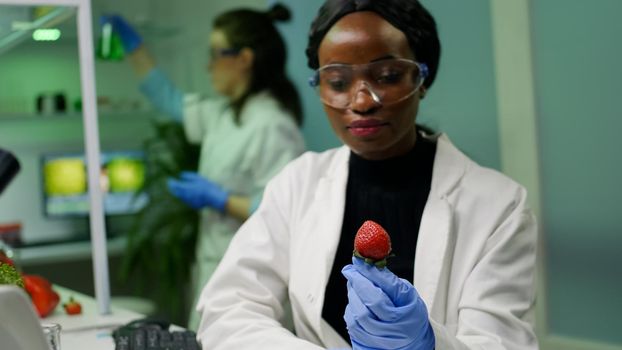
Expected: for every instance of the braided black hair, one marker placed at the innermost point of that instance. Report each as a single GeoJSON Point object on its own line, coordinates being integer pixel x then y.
{"type": "Point", "coordinates": [409, 16]}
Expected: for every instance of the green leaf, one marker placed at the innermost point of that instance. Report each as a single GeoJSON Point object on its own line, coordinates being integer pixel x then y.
{"type": "Point", "coordinates": [9, 275]}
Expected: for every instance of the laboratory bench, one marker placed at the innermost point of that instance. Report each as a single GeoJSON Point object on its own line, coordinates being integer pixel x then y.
{"type": "Point", "coordinates": [68, 263]}
{"type": "Point", "coordinates": [88, 330]}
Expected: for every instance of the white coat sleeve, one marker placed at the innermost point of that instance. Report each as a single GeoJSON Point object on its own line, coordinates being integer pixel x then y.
{"type": "Point", "coordinates": [496, 307]}
{"type": "Point", "coordinates": [242, 304]}
{"type": "Point", "coordinates": [276, 145]}
{"type": "Point", "coordinates": [199, 116]}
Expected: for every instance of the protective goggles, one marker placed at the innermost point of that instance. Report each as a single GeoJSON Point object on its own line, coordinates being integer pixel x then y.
{"type": "Point", "coordinates": [215, 53]}
{"type": "Point", "coordinates": [387, 81]}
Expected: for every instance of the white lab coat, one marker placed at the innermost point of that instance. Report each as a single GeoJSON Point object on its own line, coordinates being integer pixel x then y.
{"type": "Point", "coordinates": [474, 265]}
{"type": "Point", "coordinates": [240, 158]}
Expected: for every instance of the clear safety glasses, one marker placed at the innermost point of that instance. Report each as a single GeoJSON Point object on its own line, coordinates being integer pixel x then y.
{"type": "Point", "coordinates": [387, 81]}
{"type": "Point", "coordinates": [214, 53]}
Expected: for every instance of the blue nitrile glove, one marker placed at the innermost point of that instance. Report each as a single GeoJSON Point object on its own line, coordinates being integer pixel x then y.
{"type": "Point", "coordinates": [384, 311]}
{"type": "Point", "coordinates": [198, 192]}
{"type": "Point", "coordinates": [129, 37]}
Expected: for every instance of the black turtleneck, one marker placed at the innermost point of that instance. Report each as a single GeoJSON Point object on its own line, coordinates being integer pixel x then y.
{"type": "Point", "coordinates": [393, 192]}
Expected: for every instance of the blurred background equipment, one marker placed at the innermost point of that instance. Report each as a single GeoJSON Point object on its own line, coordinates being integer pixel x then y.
{"type": "Point", "coordinates": [9, 167]}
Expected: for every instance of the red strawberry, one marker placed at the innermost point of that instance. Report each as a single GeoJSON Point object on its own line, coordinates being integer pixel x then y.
{"type": "Point", "coordinates": [72, 307]}
{"type": "Point", "coordinates": [372, 243]}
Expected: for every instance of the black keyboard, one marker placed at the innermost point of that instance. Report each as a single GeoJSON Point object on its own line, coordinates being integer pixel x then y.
{"type": "Point", "coordinates": [153, 336]}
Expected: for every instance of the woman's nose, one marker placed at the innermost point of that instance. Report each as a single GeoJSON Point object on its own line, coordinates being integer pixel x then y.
{"type": "Point", "coordinates": [365, 99]}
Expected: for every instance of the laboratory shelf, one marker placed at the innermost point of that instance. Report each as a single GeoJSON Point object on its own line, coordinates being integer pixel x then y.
{"type": "Point", "coordinates": [17, 35]}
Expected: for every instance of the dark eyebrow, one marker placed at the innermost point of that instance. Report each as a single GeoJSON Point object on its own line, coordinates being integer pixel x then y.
{"type": "Point", "coordinates": [387, 57]}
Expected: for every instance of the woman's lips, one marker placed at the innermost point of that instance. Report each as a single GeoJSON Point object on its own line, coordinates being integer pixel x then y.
{"type": "Point", "coordinates": [365, 127]}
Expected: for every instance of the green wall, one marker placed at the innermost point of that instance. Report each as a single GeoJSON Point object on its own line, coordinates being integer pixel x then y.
{"type": "Point", "coordinates": [462, 101]}
{"type": "Point", "coordinates": [577, 61]}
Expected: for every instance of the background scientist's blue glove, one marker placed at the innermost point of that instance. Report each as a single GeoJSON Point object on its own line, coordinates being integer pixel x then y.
{"type": "Point", "coordinates": [384, 311]}
{"type": "Point", "coordinates": [129, 37]}
{"type": "Point", "coordinates": [198, 192]}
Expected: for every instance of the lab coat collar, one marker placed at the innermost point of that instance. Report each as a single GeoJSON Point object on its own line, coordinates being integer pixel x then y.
{"type": "Point", "coordinates": [449, 166]}
{"type": "Point", "coordinates": [330, 204]}
{"type": "Point", "coordinates": [435, 240]}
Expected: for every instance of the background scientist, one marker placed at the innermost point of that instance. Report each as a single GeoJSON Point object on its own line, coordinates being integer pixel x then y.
{"type": "Point", "coordinates": [246, 136]}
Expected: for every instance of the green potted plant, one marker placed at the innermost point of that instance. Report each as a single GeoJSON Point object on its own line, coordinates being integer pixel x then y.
{"type": "Point", "coordinates": [161, 241]}
{"type": "Point", "coordinates": [8, 272]}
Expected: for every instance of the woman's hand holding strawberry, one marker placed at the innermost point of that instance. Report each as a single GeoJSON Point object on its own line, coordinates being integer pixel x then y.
{"type": "Point", "coordinates": [384, 311]}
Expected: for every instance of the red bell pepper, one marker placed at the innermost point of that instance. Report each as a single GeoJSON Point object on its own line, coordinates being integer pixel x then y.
{"type": "Point", "coordinates": [43, 296]}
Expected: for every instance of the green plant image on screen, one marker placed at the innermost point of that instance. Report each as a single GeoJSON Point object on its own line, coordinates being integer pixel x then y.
{"type": "Point", "coordinates": [65, 185]}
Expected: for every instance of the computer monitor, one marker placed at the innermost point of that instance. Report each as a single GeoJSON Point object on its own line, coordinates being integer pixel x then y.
{"type": "Point", "coordinates": [65, 185]}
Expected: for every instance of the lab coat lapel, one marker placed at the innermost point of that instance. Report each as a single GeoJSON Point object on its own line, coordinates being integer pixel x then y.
{"type": "Point", "coordinates": [329, 207]}
{"type": "Point", "coordinates": [436, 241]}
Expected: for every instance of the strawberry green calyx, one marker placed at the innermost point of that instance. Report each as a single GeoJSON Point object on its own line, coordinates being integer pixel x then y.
{"type": "Point", "coordinates": [378, 263]}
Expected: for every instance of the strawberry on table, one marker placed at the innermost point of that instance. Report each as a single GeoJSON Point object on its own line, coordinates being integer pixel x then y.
{"type": "Point", "coordinates": [72, 307]}
{"type": "Point", "coordinates": [372, 243]}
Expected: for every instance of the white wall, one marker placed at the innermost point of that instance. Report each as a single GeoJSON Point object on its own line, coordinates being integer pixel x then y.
{"type": "Point", "coordinates": [558, 87]}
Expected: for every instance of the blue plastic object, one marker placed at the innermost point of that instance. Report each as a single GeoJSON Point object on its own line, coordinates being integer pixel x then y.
{"type": "Point", "coordinates": [384, 311]}
{"type": "Point", "coordinates": [198, 192]}
{"type": "Point", "coordinates": [130, 38]}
